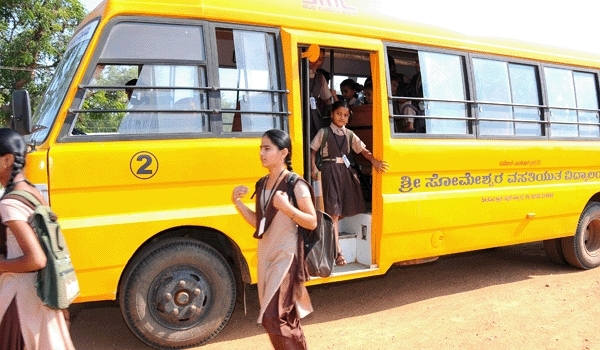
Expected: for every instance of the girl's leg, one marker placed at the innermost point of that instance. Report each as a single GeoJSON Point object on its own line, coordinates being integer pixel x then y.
{"type": "Point", "coordinates": [339, 260]}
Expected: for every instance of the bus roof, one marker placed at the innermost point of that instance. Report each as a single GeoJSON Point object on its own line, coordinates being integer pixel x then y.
{"type": "Point", "coordinates": [347, 17]}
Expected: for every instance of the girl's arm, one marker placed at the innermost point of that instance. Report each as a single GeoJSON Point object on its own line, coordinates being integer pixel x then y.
{"type": "Point", "coordinates": [236, 197]}
{"type": "Point", "coordinates": [305, 215]}
{"type": "Point", "coordinates": [381, 166]}
{"type": "Point", "coordinates": [33, 257]}
{"type": "Point", "coordinates": [334, 95]}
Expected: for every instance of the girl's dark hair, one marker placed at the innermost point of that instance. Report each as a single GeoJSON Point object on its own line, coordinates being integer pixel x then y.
{"type": "Point", "coordinates": [282, 140]}
{"type": "Point", "coordinates": [351, 84]}
{"type": "Point", "coordinates": [341, 103]}
{"type": "Point", "coordinates": [11, 142]}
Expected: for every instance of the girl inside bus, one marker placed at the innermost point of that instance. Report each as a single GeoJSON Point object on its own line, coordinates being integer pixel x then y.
{"type": "Point", "coordinates": [368, 93]}
{"type": "Point", "coordinates": [342, 194]}
{"type": "Point", "coordinates": [282, 295]}
{"type": "Point", "coordinates": [350, 90]}
{"type": "Point", "coordinates": [25, 323]}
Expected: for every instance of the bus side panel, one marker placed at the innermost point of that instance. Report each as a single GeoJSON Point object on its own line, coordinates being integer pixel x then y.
{"type": "Point", "coordinates": [111, 197]}
{"type": "Point", "coordinates": [444, 197]}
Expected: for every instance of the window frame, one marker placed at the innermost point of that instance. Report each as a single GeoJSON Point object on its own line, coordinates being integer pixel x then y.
{"type": "Point", "coordinates": [542, 108]}
{"type": "Point", "coordinates": [595, 73]}
{"type": "Point", "coordinates": [466, 67]}
{"type": "Point", "coordinates": [211, 66]}
{"type": "Point", "coordinates": [473, 102]}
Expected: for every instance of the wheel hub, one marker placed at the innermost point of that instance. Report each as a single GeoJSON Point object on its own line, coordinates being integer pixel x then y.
{"type": "Point", "coordinates": [180, 295]}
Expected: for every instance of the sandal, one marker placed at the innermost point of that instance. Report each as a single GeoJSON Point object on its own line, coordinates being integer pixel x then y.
{"type": "Point", "coordinates": [340, 260]}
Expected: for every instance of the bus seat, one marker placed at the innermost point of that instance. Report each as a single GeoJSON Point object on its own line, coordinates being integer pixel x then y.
{"type": "Point", "coordinates": [361, 124]}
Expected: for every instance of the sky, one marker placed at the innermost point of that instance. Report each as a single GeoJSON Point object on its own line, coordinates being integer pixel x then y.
{"type": "Point", "coordinates": [568, 24]}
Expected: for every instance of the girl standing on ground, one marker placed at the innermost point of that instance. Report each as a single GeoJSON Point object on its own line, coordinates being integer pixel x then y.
{"type": "Point", "coordinates": [25, 323]}
{"type": "Point", "coordinates": [281, 270]}
{"type": "Point", "coordinates": [342, 194]}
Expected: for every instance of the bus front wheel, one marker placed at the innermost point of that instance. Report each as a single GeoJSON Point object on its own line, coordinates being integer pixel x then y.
{"type": "Point", "coordinates": [177, 293]}
{"type": "Point", "coordinates": [583, 249]}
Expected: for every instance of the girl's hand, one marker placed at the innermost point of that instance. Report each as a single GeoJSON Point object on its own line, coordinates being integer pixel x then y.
{"type": "Point", "coordinates": [238, 193]}
{"type": "Point", "coordinates": [381, 166]}
{"type": "Point", "coordinates": [280, 200]}
{"type": "Point", "coordinates": [313, 172]}
{"type": "Point", "coordinates": [334, 95]}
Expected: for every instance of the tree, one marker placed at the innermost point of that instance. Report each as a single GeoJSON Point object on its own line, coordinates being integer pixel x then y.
{"type": "Point", "coordinates": [33, 36]}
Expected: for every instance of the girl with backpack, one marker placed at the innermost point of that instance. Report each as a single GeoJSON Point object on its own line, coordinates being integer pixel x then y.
{"type": "Point", "coordinates": [282, 295]}
{"type": "Point", "coordinates": [25, 322]}
{"type": "Point", "coordinates": [342, 194]}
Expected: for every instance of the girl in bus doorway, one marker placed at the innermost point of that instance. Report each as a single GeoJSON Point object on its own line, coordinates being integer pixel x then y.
{"type": "Point", "coordinates": [281, 271]}
{"type": "Point", "coordinates": [342, 194]}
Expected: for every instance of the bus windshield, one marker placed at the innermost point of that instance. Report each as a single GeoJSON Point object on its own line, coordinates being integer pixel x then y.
{"type": "Point", "coordinates": [47, 110]}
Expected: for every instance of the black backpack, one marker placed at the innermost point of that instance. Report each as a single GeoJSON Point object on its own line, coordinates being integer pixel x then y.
{"type": "Point", "coordinates": [319, 244]}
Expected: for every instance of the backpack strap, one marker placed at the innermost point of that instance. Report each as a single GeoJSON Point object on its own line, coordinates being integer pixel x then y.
{"type": "Point", "coordinates": [324, 140]}
{"type": "Point", "coordinates": [25, 197]}
{"type": "Point", "coordinates": [291, 183]}
{"type": "Point", "coordinates": [319, 160]}
{"type": "Point", "coordinates": [257, 184]}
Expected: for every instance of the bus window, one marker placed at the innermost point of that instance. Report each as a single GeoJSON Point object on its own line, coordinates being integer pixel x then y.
{"type": "Point", "coordinates": [561, 99]}
{"type": "Point", "coordinates": [443, 79]}
{"type": "Point", "coordinates": [586, 97]}
{"type": "Point", "coordinates": [507, 92]}
{"type": "Point", "coordinates": [492, 85]}
{"type": "Point", "coordinates": [434, 84]}
{"type": "Point", "coordinates": [524, 82]}
{"type": "Point", "coordinates": [153, 107]}
{"type": "Point", "coordinates": [572, 98]}
{"type": "Point", "coordinates": [247, 77]}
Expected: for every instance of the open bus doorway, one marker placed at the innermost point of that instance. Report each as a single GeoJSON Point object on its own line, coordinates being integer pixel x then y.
{"type": "Point", "coordinates": [331, 67]}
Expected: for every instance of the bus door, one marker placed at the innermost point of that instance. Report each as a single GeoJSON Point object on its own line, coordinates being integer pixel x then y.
{"type": "Point", "coordinates": [334, 70]}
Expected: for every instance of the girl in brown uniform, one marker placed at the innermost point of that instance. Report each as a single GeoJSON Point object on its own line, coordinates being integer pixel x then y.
{"type": "Point", "coordinates": [281, 271]}
{"type": "Point", "coordinates": [342, 195]}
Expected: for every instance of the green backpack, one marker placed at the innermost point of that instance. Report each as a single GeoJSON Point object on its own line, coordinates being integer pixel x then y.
{"type": "Point", "coordinates": [56, 283]}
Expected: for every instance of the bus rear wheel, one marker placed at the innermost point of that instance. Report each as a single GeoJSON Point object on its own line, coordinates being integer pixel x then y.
{"type": "Point", "coordinates": [583, 249]}
{"type": "Point", "coordinates": [177, 294]}
{"type": "Point", "coordinates": [554, 252]}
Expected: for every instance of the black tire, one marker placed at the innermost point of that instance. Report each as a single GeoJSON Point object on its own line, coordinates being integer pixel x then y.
{"type": "Point", "coordinates": [177, 294]}
{"type": "Point", "coordinates": [553, 248]}
{"type": "Point", "coordinates": [583, 249]}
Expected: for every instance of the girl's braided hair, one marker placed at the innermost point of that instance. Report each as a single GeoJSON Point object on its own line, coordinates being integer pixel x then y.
{"type": "Point", "coordinates": [11, 142]}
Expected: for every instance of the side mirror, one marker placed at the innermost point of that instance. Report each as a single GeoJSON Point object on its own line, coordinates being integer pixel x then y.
{"type": "Point", "coordinates": [21, 118]}
{"type": "Point", "coordinates": [313, 53]}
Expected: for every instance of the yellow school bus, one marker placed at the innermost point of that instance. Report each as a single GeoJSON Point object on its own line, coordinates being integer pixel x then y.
{"type": "Point", "coordinates": [156, 112]}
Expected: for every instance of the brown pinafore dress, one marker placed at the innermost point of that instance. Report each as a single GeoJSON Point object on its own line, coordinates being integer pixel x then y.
{"type": "Point", "coordinates": [342, 193]}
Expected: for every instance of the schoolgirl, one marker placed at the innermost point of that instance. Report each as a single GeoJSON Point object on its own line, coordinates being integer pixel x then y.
{"type": "Point", "coordinates": [350, 90]}
{"type": "Point", "coordinates": [342, 195]}
{"type": "Point", "coordinates": [282, 295]}
{"type": "Point", "coordinates": [25, 323]}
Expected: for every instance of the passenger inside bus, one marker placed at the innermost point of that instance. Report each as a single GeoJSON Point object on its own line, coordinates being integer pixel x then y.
{"type": "Point", "coordinates": [368, 93]}
{"type": "Point", "coordinates": [350, 90]}
{"type": "Point", "coordinates": [320, 95]}
{"type": "Point", "coordinates": [129, 91]}
{"type": "Point", "coordinates": [406, 82]}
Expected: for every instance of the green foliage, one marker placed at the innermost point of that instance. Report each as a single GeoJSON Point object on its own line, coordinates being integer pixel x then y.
{"type": "Point", "coordinates": [33, 36]}
{"type": "Point", "coordinates": [102, 122]}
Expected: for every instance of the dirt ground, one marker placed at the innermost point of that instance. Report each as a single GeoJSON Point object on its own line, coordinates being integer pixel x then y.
{"type": "Point", "coordinates": [505, 298]}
